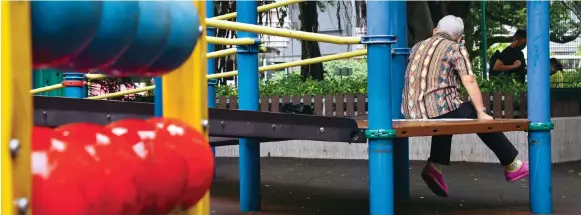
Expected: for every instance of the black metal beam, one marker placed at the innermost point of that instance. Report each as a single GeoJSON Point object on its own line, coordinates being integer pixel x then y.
{"type": "Point", "coordinates": [56, 111]}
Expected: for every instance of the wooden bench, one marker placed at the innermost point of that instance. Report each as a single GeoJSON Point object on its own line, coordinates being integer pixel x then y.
{"type": "Point", "coordinates": [412, 128]}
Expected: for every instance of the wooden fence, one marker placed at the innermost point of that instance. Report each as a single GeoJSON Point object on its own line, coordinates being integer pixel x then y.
{"type": "Point", "coordinates": [509, 107]}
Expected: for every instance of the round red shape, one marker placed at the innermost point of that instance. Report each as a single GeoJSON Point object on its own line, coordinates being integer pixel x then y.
{"type": "Point", "coordinates": [194, 147]}
{"type": "Point", "coordinates": [161, 178]}
{"type": "Point", "coordinates": [111, 182]}
{"type": "Point", "coordinates": [55, 184]}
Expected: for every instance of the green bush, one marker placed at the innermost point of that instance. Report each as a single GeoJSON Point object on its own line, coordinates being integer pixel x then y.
{"type": "Point", "coordinates": [570, 78]}
{"type": "Point", "coordinates": [290, 84]}
{"type": "Point", "coordinates": [502, 83]}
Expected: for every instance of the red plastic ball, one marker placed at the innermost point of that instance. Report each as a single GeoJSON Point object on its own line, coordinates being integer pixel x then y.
{"type": "Point", "coordinates": [162, 175]}
{"type": "Point", "coordinates": [194, 147]}
{"type": "Point", "coordinates": [55, 175]}
{"type": "Point", "coordinates": [111, 183]}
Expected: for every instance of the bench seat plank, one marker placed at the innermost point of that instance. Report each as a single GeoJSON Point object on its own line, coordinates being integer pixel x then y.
{"type": "Point", "coordinates": [413, 128]}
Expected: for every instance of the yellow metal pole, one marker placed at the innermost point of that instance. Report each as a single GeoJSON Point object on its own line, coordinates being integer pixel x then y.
{"type": "Point", "coordinates": [227, 52]}
{"type": "Point", "coordinates": [185, 95]}
{"type": "Point", "coordinates": [234, 73]}
{"type": "Point", "coordinates": [95, 76]}
{"type": "Point", "coordinates": [225, 41]}
{"type": "Point", "coordinates": [295, 63]}
{"type": "Point", "coordinates": [16, 105]}
{"type": "Point", "coordinates": [260, 9]}
{"type": "Point", "coordinates": [282, 32]}
{"type": "Point", "coordinates": [47, 88]}
{"type": "Point", "coordinates": [122, 93]}
{"type": "Point", "coordinates": [221, 53]}
{"type": "Point", "coordinates": [215, 54]}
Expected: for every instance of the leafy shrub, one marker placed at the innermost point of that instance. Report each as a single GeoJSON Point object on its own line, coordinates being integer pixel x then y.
{"type": "Point", "coordinates": [570, 78]}
{"type": "Point", "coordinates": [290, 84]}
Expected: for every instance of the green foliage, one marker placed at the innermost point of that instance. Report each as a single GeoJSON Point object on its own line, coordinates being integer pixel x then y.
{"type": "Point", "coordinates": [502, 83]}
{"type": "Point", "coordinates": [578, 50]}
{"type": "Point", "coordinates": [226, 90]}
{"type": "Point", "coordinates": [501, 14]}
{"type": "Point", "coordinates": [358, 66]}
{"type": "Point", "coordinates": [291, 84]}
{"type": "Point", "coordinates": [566, 79]}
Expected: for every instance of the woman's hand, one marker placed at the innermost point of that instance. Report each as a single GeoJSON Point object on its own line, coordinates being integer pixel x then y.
{"type": "Point", "coordinates": [484, 116]}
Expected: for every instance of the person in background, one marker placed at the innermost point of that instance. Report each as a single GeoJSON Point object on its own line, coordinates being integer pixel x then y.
{"type": "Point", "coordinates": [511, 61]}
{"type": "Point", "coordinates": [437, 66]}
{"type": "Point", "coordinates": [556, 66]}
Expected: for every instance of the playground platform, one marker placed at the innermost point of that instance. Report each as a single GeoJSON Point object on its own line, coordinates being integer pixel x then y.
{"type": "Point", "coordinates": [337, 187]}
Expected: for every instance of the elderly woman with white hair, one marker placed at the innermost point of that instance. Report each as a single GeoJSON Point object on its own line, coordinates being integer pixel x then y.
{"type": "Point", "coordinates": [437, 66]}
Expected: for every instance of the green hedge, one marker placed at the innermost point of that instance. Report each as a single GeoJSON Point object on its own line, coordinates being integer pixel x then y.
{"type": "Point", "coordinates": [291, 84]}
{"type": "Point", "coordinates": [566, 79]}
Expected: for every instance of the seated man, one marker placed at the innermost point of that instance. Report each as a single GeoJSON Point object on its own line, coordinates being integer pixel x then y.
{"type": "Point", "coordinates": [511, 61]}
{"type": "Point", "coordinates": [435, 70]}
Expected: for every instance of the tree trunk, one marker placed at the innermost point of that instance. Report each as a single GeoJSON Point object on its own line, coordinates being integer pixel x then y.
{"type": "Point", "coordinates": [309, 23]}
{"type": "Point", "coordinates": [423, 17]}
{"type": "Point", "coordinates": [420, 24]}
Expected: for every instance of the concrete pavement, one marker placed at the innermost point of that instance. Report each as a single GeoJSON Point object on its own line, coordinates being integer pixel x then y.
{"type": "Point", "coordinates": [336, 187]}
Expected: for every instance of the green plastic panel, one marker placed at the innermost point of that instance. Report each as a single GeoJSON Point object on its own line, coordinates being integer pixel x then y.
{"type": "Point", "coordinates": [47, 77]}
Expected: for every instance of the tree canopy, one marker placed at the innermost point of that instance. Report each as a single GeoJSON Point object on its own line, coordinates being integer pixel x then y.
{"type": "Point", "coordinates": [501, 17]}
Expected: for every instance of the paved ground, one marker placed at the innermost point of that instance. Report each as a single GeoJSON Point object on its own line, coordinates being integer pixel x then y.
{"type": "Point", "coordinates": [337, 187]}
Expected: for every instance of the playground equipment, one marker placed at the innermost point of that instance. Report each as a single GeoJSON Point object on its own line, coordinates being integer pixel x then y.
{"type": "Point", "coordinates": [85, 168]}
{"type": "Point", "coordinates": [388, 156]}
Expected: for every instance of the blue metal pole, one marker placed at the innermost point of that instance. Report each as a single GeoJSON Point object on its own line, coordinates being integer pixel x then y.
{"type": "Point", "coordinates": [539, 109]}
{"type": "Point", "coordinates": [398, 26]}
{"type": "Point", "coordinates": [380, 132]}
{"type": "Point", "coordinates": [157, 97]}
{"type": "Point", "coordinates": [75, 85]}
{"type": "Point", "coordinates": [483, 38]}
{"type": "Point", "coordinates": [249, 149]}
{"type": "Point", "coordinates": [210, 31]}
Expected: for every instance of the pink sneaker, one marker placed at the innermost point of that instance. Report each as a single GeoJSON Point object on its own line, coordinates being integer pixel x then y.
{"type": "Point", "coordinates": [435, 181]}
{"type": "Point", "coordinates": [521, 173]}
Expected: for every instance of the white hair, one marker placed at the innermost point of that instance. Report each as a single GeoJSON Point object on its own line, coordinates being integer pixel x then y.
{"type": "Point", "coordinates": [452, 25]}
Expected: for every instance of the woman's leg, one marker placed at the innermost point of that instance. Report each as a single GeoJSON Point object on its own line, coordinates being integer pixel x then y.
{"type": "Point", "coordinates": [439, 155]}
{"type": "Point", "coordinates": [442, 145]}
{"type": "Point", "coordinates": [440, 149]}
{"type": "Point", "coordinates": [502, 148]}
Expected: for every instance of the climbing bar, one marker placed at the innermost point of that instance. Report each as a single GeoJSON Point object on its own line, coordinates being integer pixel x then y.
{"type": "Point", "coordinates": [210, 55]}
{"type": "Point", "coordinates": [95, 76]}
{"type": "Point", "coordinates": [227, 52]}
{"type": "Point", "coordinates": [239, 41]}
{"type": "Point", "coordinates": [122, 93]}
{"type": "Point", "coordinates": [262, 8]}
{"type": "Point", "coordinates": [282, 32]}
{"type": "Point", "coordinates": [221, 53]}
{"type": "Point", "coordinates": [296, 63]}
{"type": "Point", "coordinates": [47, 88]}
{"type": "Point", "coordinates": [60, 86]}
